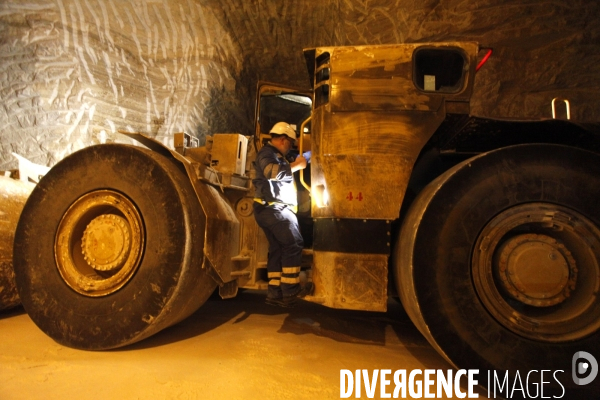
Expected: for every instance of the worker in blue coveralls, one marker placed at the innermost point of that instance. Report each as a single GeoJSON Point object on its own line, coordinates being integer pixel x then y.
{"type": "Point", "coordinates": [275, 206]}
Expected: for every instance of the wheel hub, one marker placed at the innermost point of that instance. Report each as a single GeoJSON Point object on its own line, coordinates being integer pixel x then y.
{"type": "Point", "coordinates": [106, 242]}
{"type": "Point", "coordinates": [535, 270]}
{"type": "Point", "coordinates": [99, 243]}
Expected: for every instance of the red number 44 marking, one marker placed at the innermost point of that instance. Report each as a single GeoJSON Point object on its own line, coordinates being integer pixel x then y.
{"type": "Point", "coordinates": [350, 197]}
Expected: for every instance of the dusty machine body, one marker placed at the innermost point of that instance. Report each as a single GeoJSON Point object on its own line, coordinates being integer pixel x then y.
{"type": "Point", "coordinates": [487, 230]}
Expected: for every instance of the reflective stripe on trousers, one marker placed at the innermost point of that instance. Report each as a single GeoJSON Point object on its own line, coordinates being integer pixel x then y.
{"type": "Point", "coordinates": [285, 247]}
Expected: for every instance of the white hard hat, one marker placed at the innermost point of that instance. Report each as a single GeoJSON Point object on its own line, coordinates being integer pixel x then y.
{"type": "Point", "coordinates": [283, 128]}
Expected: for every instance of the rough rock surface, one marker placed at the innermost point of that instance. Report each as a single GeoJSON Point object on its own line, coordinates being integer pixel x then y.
{"type": "Point", "coordinates": [542, 48]}
{"type": "Point", "coordinates": [74, 72]}
{"type": "Point", "coordinates": [73, 69]}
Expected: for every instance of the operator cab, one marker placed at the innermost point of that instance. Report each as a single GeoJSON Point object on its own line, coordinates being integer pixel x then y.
{"type": "Point", "coordinates": [274, 104]}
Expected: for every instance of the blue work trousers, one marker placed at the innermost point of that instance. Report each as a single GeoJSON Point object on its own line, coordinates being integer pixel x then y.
{"type": "Point", "coordinates": [285, 248]}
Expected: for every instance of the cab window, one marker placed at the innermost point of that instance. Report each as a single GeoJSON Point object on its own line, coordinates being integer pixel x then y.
{"type": "Point", "coordinates": [439, 69]}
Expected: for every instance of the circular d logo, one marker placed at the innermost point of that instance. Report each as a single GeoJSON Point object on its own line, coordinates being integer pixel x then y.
{"type": "Point", "coordinates": [584, 364]}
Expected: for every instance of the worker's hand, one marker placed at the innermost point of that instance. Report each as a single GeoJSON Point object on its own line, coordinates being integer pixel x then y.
{"type": "Point", "coordinates": [307, 155]}
{"type": "Point", "coordinates": [299, 164]}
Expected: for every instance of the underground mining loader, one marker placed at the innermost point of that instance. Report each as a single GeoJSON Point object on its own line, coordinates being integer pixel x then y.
{"type": "Point", "coordinates": [488, 230]}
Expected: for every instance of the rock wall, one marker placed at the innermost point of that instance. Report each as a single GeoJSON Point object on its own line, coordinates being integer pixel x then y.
{"type": "Point", "coordinates": [542, 48]}
{"type": "Point", "coordinates": [74, 72]}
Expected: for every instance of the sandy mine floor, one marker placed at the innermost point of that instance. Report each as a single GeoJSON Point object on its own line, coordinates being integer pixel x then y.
{"type": "Point", "coordinates": [234, 349]}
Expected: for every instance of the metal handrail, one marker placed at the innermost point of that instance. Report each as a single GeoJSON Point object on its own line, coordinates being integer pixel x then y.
{"type": "Point", "coordinates": [567, 105]}
{"type": "Point", "coordinates": [301, 150]}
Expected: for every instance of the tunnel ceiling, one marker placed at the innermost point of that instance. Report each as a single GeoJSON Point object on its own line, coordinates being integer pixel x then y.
{"type": "Point", "coordinates": [542, 49]}
{"type": "Point", "coordinates": [77, 71]}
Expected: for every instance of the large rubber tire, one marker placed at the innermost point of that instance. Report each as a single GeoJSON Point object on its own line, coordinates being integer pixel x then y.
{"type": "Point", "coordinates": [155, 283]}
{"type": "Point", "coordinates": [442, 283]}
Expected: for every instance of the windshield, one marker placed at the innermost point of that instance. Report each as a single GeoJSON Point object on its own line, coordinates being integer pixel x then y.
{"type": "Point", "coordinates": [277, 106]}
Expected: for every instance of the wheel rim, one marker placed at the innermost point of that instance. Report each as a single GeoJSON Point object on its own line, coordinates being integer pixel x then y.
{"type": "Point", "coordinates": [536, 270]}
{"type": "Point", "coordinates": [99, 243]}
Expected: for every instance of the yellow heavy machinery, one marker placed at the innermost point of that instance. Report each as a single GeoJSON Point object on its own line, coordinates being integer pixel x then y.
{"type": "Point", "coordinates": [488, 230]}
{"type": "Point", "coordinates": [13, 195]}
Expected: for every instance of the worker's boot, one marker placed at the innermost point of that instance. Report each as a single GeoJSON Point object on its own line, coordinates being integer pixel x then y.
{"type": "Point", "coordinates": [290, 301]}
